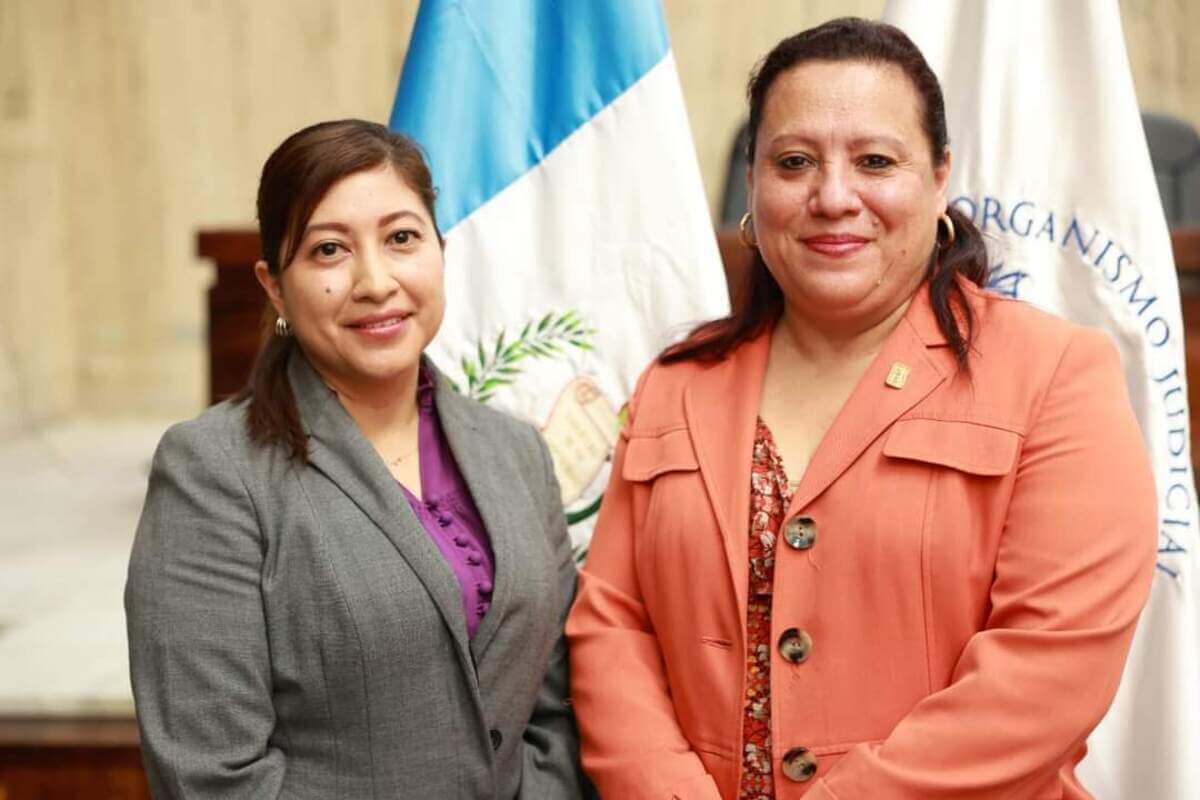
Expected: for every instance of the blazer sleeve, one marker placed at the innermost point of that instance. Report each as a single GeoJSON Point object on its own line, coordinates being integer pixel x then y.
{"type": "Point", "coordinates": [551, 743]}
{"type": "Point", "coordinates": [1072, 572]}
{"type": "Point", "coordinates": [198, 651]}
{"type": "Point", "coordinates": [633, 746]}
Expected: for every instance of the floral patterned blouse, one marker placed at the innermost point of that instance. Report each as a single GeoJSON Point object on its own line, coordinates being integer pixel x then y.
{"type": "Point", "coordinates": [770, 494]}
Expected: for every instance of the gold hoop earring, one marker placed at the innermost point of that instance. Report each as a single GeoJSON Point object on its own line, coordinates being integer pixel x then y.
{"type": "Point", "coordinates": [283, 328]}
{"type": "Point", "coordinates": [746, 231]}
{"type": "Point", "coordinates": [945, 218]}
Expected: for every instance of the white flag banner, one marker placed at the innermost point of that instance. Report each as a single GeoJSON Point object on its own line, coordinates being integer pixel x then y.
{"type": "Point", "coordinates": [1051, 162]}
{"type": "Point", "coordinates": [578, 236]}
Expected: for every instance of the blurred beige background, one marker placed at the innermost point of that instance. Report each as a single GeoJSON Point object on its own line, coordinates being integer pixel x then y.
{"type": "Point", "coordinates": [125, 125]}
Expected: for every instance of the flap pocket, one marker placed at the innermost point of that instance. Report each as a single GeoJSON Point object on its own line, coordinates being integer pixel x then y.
{"type": "Point", "coordinates": [958, 444]}
{"type": "Point", "coordinates": [647, 457]}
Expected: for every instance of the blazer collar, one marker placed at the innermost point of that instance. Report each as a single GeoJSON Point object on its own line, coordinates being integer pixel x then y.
{"type": "Point", "coordinates": [721, 404]}
{"type": "Point", "coordinates": [338, 449]}
{"type": "Point", "coordinates": [482, 459]}
{"type": "Point", "coordinates": [721, 407]}
{"type": "Point", "coordinates": [875, 403]}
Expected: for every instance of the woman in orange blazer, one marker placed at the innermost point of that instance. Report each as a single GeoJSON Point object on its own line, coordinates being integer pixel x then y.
{"type": "Point", "coordinates": [879, 533]}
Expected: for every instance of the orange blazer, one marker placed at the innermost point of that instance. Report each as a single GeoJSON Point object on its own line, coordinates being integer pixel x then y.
{"type": "Point", "coordinates": [984, 545]}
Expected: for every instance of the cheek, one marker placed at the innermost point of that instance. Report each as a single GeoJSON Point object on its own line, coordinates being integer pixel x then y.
{"type": "Point", "coordinates": [893, 207]}
{"type": "Point", "coordinates": [314, 301]}
{"type": "Point", "coordinates": [911, 243]}
{"type": "Point", "coordinates": [905, 204]}
{"type": "Point", "coordinates": [435, 298]}
{"type": "Point", "coordinates": [774, 201]}
{"type": "Point", "coordinates": [429, 282]}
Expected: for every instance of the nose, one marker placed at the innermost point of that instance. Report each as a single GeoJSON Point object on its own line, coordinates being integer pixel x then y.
{"type": "Point", "coordinates": [835, 193]}
{"type": "Point", "coordinates": [373, 280]}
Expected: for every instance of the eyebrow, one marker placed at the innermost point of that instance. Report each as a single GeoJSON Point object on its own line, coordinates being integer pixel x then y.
{"type": "Point", "coordinates": [881, 139]}
{"type": "Point", "coordinates": [339, 227]}
{"type": "Point", "coordinates": [861, 141]}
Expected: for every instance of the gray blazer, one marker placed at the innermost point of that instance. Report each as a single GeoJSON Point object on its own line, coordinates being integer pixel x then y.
{"type": "Point", "coordinates": [295, 633]}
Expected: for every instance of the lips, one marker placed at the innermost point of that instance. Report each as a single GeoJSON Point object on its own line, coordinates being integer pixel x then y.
{"type": "Point", "coordinates": [835, 245]}
{"type": "Point", "coordinates": [381, 325]}
{"type": "Point", "coordinates": [380, 319]}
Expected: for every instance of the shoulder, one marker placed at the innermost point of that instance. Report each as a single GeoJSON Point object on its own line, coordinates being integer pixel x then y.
{"type": "Point", "coordinates": [214, 447]}
{"type": "Point", "coordinates": [218, 429]}
{"type": "Point", "coordinates": [1020, 352]}
{"type": "Point", "coordinates": [1001, 318]}
{"type": "Point", "coordinates": [1009, 328]}
{"type": "Point", "coordinates": [199, 491]}
{"type": "Point", "coordinates": [658, 396]}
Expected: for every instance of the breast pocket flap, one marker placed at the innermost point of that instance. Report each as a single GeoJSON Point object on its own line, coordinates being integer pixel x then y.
{"type": "Point", "coordinates": [959, 444]}
{"type": "Point", "coordinates": [648, 456]}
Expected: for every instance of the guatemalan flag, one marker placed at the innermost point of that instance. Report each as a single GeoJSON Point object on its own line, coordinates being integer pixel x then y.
{"type": "Point", "coordinates": [578, 238]}
{"type": "Point", "coordinates": [1051, 162]}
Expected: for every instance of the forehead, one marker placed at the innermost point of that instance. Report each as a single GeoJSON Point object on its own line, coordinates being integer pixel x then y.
{"type": "Point", "coordinates": [823, 99]}
{"type": "Point", "coordinates": [369, 192]}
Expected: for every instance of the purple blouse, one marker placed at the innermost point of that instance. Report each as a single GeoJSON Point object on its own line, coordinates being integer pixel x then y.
{"type": "Point", "coordinates": [448, 513]}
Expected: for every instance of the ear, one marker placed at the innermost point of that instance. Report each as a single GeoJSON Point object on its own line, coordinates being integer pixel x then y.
{"type": "Point", "coordinates": [270, 284]}
{"type": "Point", "coordinates": [941, 176]}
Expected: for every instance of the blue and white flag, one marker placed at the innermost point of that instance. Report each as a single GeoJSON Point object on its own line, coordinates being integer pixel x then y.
{"type": "Point", "coordinates": [1050, 160]}
{"type": "Point", "coordinates": [578, 238]}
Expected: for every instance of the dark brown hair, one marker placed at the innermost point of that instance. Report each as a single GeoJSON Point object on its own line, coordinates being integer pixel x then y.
{"type": "Point", "coordinates": [851, 39]}
{"type": "Point", "coordinates": [294, 180]}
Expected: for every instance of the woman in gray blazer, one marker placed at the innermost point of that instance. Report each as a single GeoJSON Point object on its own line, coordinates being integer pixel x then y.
{"type": "Point", "coordinates": [350, 581]}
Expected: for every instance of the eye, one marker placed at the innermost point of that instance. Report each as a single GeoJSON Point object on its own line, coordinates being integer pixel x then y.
{"type": "Point", "coordinates": [404, 237]}
{"type": "Point", "coordinates": [327, 249]}
{"type": "Point", "coordinates": [795, 161]}
{"type": "Point", "coordinates": [876, 161]}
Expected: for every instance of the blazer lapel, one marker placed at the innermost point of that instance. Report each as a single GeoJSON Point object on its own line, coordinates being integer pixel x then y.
{"type": "Point", "coordinates": [339, 450]}
{"type": "Point", "coordinates": [489, 479]}
{"type": "Point", "coordinates": [875, 402]}
{"type": "Point", "coordinates": [721, 406]}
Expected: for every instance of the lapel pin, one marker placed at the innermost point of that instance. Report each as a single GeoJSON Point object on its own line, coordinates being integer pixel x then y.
{"type": "Point", "coordinates": [898, 375]}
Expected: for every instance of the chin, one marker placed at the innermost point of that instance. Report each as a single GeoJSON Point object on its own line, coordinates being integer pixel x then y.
{"type": "Point", "coordinates": [389, 371]}
{"type": "Point", "coordinates": [378, 369]}
{"type": "Point", "coordinates": [841, 290]}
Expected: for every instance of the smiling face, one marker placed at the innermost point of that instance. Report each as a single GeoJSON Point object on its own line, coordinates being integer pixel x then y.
{"type": "Point", "coordinates": [364, 292]}
{"type": "Point", "coordinates": [844, 192]}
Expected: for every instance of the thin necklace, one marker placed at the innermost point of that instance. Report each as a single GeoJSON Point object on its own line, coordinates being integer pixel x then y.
{"type": "Point", "coordinates": [395, 462]}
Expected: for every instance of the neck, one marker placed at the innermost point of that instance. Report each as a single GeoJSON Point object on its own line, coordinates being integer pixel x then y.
{"type": "Point", "coordinates": [379, 409]}
{"type": "Point", "coordinates": [833, 346]}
